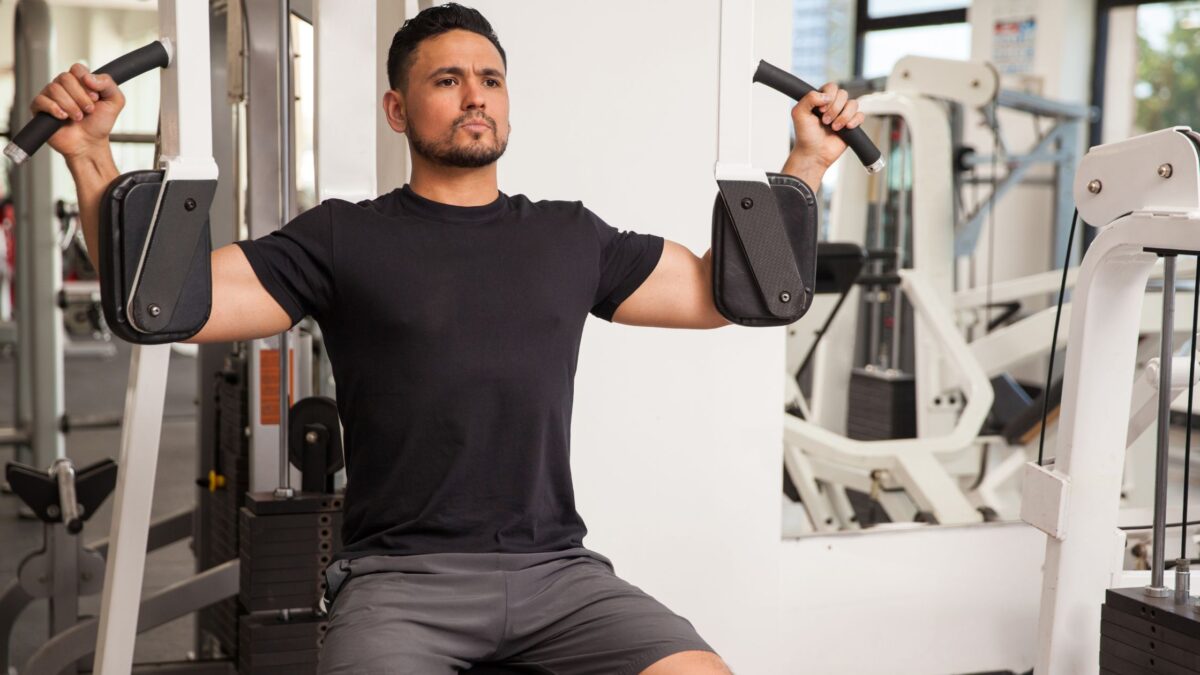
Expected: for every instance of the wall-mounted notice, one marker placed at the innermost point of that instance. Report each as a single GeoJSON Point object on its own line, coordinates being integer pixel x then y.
{"type": "Point", "coordinates": [1012, 46]}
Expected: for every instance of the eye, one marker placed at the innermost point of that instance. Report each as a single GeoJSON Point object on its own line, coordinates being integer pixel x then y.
{"type": "Point", "coordinates": [443, 81]}
{"type": "Point", "coordinates": [492, 82]}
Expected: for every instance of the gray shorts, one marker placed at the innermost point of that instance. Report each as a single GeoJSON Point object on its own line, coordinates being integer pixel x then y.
{"type": "Point", "coordinates": [564, 613]}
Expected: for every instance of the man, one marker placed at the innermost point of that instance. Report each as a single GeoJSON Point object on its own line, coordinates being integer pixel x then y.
{"type": "Point", "coordinates": [452, 314]}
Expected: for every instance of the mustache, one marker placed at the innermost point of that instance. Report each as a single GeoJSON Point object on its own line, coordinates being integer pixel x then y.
{"type": "Point", "coordinates": [471, 117]}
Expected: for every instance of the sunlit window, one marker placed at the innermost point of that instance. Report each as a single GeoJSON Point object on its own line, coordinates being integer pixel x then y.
{"type": "Point", "coordinates": [883, 48]}
{"type": "Point", "coordinates": [1167, 85]}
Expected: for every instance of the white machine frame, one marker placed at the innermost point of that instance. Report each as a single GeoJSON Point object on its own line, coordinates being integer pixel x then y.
{"type": "Point", "coordinates": [1076, 502]}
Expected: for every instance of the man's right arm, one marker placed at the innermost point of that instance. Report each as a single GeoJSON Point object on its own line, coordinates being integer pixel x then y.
{"type": "Point", "coordinates": [241, 308]}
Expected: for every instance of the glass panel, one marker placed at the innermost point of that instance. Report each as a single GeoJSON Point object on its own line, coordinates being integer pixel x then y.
{"type": "Point", "coordinates": [822, 40]}
{"type": "Point", "coordinates": [883, 8]}
{"type": "Point", "coordinates": [883, 48]}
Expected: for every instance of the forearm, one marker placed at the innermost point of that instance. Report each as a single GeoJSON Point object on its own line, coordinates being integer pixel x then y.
{"type": "Point", "coordinates": [811, 171]}
{"type": "Point", "coordinates": [92, 171]}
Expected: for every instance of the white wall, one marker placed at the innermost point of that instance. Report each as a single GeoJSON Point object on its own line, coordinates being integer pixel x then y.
{"type": "Point", "coordinates": [676, 443]}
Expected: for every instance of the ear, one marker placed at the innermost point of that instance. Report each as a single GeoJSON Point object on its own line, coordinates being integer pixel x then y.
{"type": "Point", "coordinates": [395, 111]}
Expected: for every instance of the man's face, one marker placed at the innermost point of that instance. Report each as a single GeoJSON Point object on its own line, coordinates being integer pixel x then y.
{"type": "Point", "coordinates": [455, 106]}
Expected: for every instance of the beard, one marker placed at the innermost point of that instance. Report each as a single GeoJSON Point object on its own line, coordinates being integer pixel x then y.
{"type": "Point", "coordinates": [473, 154]}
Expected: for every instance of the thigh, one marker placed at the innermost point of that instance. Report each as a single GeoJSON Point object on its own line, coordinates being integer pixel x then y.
{"type": "Point", "coordinates": [584, 620]}
{"type": "Point", "coordinates": [419, 624]}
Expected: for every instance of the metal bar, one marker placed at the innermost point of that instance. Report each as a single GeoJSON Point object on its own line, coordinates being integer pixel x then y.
{"type": "Point", "coordinates": [902, 222]}
{"type": "Point", "coordinates": [180, 599]}
{"type": "Point", "coordinates": [39, 399]}
{"type": "Point", "coordinates": [733, 88]}
{"type": "Point", "coordinates": [12, 603]}
{"type": "Point", "coordinates": [968, 236]}
{"type": "Point", "coordinates": [285, 210]}
{"type": "Point", "coordinates": [1037, 105]}
{"type": "Point", "coordinates": [163, 532]}
{"type": "Point", "coordinates": [13, 436]}
{"type": "Point", "coordinates": [1157, 587]}
{"type": "Point", "coordinates": [126, 557]}
{"type": "Point", "coordinates": [146, 139]}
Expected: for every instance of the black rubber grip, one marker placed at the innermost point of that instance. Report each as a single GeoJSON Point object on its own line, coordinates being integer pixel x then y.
{"type": "Point", "coordinates": [786, 83]}
{"type": "Point", "coordinates": [38, 130]}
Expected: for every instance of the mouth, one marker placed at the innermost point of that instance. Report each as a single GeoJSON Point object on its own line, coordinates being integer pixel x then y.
{"type": "Point", "coordinates": [477, 126]}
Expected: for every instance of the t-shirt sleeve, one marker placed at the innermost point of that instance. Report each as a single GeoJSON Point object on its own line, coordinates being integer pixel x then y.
{"type": "Point", "coordinates": [295, 263]}
{"type": "Point", "coordinates": [626, 260]}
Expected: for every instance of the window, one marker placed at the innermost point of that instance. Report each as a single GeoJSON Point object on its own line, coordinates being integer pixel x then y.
{"type": "Point", "coordinates": [886, 30]}
{"type": "Point", "coordinates": [1149, 69]}
{"type": "Point", "coordinates": [877, 9]}
{"type": "Point", "coordinates": [881, 49]}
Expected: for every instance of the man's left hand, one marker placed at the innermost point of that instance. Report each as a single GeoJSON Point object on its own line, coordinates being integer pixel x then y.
{"type": "Point", "coordinates": [817, 144]}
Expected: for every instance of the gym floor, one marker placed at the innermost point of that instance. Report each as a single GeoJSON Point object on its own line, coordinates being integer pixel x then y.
{"type": "Point", "coordinates": [96, 386]}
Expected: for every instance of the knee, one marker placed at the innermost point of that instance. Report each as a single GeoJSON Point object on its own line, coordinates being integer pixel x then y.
{"type": "Point", "coordinates": [689, 663]}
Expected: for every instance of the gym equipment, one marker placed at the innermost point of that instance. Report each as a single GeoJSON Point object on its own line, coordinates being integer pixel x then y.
{"type": "Point", "coordinates": [764, 249]}
{"type": "Point", "coordinates": [155, 282]}
{"type": "Point", "coordinates": [1143, 196]}
{"type": "Point", "coordinates": [764, 234]}
{"type": "Point", "coordinates": [37, 131]}
{"type": "Point", "coordinates": [315, 442]}
{"type": "Point", "coordinates": [785, 83]}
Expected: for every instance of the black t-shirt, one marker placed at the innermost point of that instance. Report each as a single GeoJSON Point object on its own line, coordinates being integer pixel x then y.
{"type": "Point", "coordinates": [453, 333]}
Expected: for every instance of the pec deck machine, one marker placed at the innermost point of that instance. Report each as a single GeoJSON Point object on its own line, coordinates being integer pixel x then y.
{"type": "Point", "coordinates": [1143, 197]}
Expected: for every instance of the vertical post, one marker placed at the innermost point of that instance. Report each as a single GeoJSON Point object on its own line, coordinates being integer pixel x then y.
{"type": "Point", "coordinates": [1157, 587]}
{"type": "Point", "coordinates": [39, 399]}
{"type": "Point", "coordinates": [285, 211]}
{"type": "Point", "coordinates": [734, 83]}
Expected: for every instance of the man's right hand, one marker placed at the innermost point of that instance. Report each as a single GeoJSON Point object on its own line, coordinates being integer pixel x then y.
{"type": "Point", "coordinates": [89, 102]}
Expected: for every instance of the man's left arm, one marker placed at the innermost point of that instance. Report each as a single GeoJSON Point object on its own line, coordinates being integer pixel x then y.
{"type": "Point", "coordinates": [678, 293]}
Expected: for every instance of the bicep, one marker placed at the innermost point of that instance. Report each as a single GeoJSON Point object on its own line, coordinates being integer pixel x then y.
{"type": "Point", "coordinates": [677, 294]}
{"type": "Point", "coordinates": [241, 308]}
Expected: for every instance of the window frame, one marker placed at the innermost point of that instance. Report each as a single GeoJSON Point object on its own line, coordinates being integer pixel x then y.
{"type": "Point", "coordinates": [863, 24]}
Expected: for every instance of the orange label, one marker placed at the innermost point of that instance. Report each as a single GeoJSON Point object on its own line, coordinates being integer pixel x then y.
{"type": "Point", "coordinates": [268, 385]}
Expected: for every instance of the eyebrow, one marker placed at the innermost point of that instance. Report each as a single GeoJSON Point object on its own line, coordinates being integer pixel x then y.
{"type": "Point", "coordinates": [461, 72]}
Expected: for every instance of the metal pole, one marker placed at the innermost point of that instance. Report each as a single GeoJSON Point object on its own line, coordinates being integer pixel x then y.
{"type": "Point", "coordinates": [1158, 562]}
{"type": "Point", "coordinates": [39, 399]}
{"type": "Point", "coordinates": [285, 193]}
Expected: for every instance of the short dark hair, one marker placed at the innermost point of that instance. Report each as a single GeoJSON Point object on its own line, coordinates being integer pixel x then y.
{"type": "Point", "coordinates": [429, 23]}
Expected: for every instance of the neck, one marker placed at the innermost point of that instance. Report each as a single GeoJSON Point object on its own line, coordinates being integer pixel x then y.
{"type": "Point", "coordinates": [452, 185]}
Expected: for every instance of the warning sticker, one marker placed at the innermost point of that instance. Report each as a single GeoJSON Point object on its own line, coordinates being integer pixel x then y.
{"type": "Point", "coordinates": [268, 385]}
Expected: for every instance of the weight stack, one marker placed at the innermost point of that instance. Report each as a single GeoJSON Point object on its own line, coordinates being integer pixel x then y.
{"type": "Point", "coordinates": [223, 504]}
{"type": "Point", "coordinates": [882, 405]}
{"type": "Point", "coordinates": [285, 546]}
{"type": "Point", "coordinates": [1142, 635]}
{"type": "Point", "coordinates": [273, 646]}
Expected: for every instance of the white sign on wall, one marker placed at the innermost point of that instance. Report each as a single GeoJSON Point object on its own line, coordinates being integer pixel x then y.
{"type": "Point", "coordinates": [1013, 45]}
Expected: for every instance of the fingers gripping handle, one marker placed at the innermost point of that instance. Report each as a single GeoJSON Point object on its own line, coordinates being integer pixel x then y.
{"type": "Point", "coordinates": [785, 83]}
{"type": "Point", "coordinates": [37, 131]}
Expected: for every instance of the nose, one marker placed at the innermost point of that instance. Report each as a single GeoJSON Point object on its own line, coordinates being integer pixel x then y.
{"type": "Point", "coordinates": [473, 96]}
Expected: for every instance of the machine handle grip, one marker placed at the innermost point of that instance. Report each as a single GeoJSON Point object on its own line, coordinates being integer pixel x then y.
{"type": "Point", "coordinates": [38, 130]}
{"type": "Point", "coordinates": [785, 83]}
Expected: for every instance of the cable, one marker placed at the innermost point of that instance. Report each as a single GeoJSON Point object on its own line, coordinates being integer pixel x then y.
{"type": "Point", "coordinates": [1062, 291]}
{"type": "Point", "coordinates": [1187, 443]}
